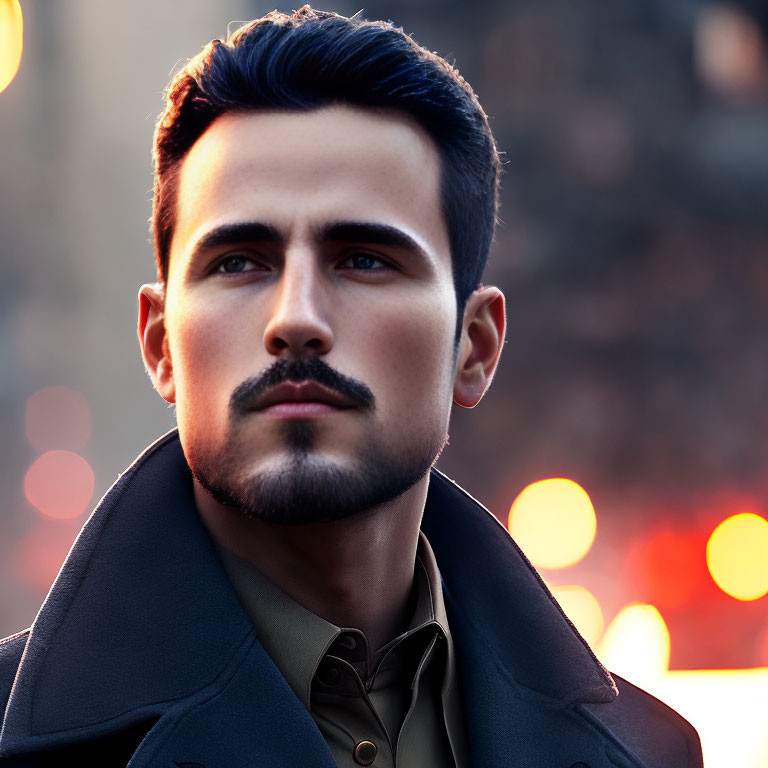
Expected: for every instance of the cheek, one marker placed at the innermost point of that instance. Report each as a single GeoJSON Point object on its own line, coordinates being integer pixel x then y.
{"type": "Point", "coordinates": [203, 339]}
{"type": "Point", "coordinates": [413, 354]}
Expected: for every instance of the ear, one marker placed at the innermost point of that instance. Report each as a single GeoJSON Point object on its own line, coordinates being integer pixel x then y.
{"type": "Point", "coordinates": [482, 337]}
{"type": "Point", "coordinates": [153, 340]}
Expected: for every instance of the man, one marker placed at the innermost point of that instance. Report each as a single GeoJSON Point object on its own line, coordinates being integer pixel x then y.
{"type": "Point", "coordinates": [286, 580]}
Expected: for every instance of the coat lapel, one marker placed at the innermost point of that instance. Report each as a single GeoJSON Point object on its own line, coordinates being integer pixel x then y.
{"type": "Point", "coordinates": [253, 720]}
{"type": "Point", "coordinates": [524, 668]}
{"type": "Point", "coordinates": [143, 625]}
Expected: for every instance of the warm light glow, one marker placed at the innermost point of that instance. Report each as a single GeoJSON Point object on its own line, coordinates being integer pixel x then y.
{"type": "Point", "coordinates": [729, 49]}
{"type": "Point", "coordinates": [553, 521]}
{"type": "Point", "coordinates": [763, 647]}
{"type": "Point", "coordinates": [667, 566]}
{"type": "Point", "coordinates": [11, 40]}
{"type": "Point", "coordinates": [636, 644]}
{"type": "Point", "coordinates": [737, 556]}
{"type": "Point", "coordinates": [58, 418]}
{"type": "Point", "coordinates": [582, 608]}
{"type": "Point", "coordinates": [727, 708]}
{"type": "Point", "coordinates": [39, 555]}
{"type": "Point", "coordinates": [59, 484]}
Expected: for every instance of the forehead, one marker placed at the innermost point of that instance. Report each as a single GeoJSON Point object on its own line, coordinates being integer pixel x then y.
{"type": "Point", "coordinates": [299, 170]}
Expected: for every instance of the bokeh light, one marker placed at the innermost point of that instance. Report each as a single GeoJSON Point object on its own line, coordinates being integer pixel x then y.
{"type": "Point", "coordinates": [59, 485]}
{"type": "Point", "coordinates": [729, 49]}
{"type": "Point", "coordinates": [636, 644]}
{"type": "Point", "coordinates": [11, 41]}
{"type": "Point", "coordinates": [725, 706]}
{"type": "Point", "coordinates": [763, 648]}
{"type": "Point", "coordinates": [553, 521]}
{"type": "Point", "coordinates": [58, 418]}
{"type": "Point", "coordinates": [39, 555]}
{"type": "Point", "coordinates": [667, 568]}
{"type": "Point", "coordinates": [737, 556]}
{"type": "Point", "coordinates": [582, 608]}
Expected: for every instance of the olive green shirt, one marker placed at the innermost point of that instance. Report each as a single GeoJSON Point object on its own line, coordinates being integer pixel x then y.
{"type": "Point", "coordinates": [396, 707]}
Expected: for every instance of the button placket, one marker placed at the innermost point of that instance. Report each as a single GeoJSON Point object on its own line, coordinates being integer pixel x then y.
{"type": "Point", "coordinates": [346, 709]}
{"type": "Point", "coordinates": [329, 674]}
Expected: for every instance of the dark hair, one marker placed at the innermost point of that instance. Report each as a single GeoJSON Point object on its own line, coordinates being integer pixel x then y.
{"type": "Point", "coordinates": [311, 59]}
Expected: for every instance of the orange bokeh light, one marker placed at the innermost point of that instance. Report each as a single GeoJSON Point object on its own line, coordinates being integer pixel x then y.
{"type": "Point", "coordinates": [59, 485]}
{"type": "Point", "coordinates": [58, 418]}
{"type": "Point", "coordinates": [553, 521]}
{"type": "Point", "coordinates": [737, 556]}
{"type": "Point", "coordinates": [582, 608]}
{"type": "Point", "coordinates": [11, 41]}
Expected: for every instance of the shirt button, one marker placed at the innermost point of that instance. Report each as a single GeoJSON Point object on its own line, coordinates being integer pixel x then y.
{"type": "Point", "coordinates": [329, 675]}
{"type": "Point", "coordinates": [348, 642]}
{"type": "Point", "coordinates": [365, 752]}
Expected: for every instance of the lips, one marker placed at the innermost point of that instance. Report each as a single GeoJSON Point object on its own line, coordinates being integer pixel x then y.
{"type": "Point", "coordinates": [303, 392]}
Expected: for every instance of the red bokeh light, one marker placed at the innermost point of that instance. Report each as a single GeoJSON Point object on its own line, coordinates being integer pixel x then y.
{"type": "Point", "coordinates": [59, 485]}
{"type": "Point", "coordinates": [669, 568]}
{"type": "Point", "coordinates": [39, 555]}
{"type": "Point", "coordinates": [763, 649]}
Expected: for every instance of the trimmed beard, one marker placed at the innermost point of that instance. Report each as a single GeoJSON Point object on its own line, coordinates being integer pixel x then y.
{"type": "Point", "coordinates": [307, 488]}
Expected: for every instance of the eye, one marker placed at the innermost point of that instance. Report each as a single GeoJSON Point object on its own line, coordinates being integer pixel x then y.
{"type": "Point", "coordinates": [364, 261]}
{"type": "Point", "coordinates": [235, 263]}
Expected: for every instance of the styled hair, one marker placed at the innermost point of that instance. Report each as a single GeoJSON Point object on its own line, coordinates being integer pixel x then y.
{"type": "Point", "coordinates": [310, 59]}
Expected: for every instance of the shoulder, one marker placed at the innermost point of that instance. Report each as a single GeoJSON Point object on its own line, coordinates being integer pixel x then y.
{"type": "Point", "coordinates": [657, 734]}
{"type": "Point", "coordinates": [11, 649]}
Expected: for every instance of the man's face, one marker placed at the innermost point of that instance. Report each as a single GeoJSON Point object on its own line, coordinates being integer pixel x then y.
{"type": "Point", "coordinates": [310, 311]}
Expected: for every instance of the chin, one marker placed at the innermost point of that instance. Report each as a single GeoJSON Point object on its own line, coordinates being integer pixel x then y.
{"type": "Point", "coordinates": [303, 487]}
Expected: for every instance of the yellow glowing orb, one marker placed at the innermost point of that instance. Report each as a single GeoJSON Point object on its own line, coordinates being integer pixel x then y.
{"type": "Point", "coordinates": [582, 608]}
{"type": "Point", "coordinates": [636, 644]}
{"type": "Point", "coordinates": [553, 521]}
{"type": "Point", "coordinates": [737, 556]}
{"type": "Point", "coordinates": [11, 40]}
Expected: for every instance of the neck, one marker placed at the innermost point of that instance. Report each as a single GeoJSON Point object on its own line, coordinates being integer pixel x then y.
{"type": "Point", "coordinates": [355, 573]}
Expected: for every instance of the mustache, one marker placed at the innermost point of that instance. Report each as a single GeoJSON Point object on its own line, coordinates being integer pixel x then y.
{"type": "Point", "coordinates": [298, 370]}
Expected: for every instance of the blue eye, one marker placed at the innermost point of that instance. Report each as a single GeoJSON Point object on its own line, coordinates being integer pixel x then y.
{"type": "Point", "coordinates": [365, 261]}
{"type": "Point", "coordinates": [235, 264]}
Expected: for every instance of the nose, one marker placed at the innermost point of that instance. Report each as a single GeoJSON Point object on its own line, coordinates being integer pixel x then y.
{"type": "Point", "coordinates": [298, 322]}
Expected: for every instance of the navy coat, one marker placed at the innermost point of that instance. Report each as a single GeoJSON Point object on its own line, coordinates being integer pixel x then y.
{"type": "Point", "coordinates": [142, 655]}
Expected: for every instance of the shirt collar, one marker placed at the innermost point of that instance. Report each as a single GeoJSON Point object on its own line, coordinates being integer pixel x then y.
{"type": "Point", "coordinates": [297, 639]}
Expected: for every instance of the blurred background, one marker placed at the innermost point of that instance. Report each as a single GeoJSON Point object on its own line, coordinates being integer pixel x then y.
{"type": "Point", "coordinates": [633, 252]}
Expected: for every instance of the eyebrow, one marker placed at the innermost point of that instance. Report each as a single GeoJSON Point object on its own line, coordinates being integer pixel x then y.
{"type": "Point", "coordinates": [234, 234]}
{"type": "Point", "coordinates": [372, 233]}
{"type": "Point", "coordinates": [369, 232]}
